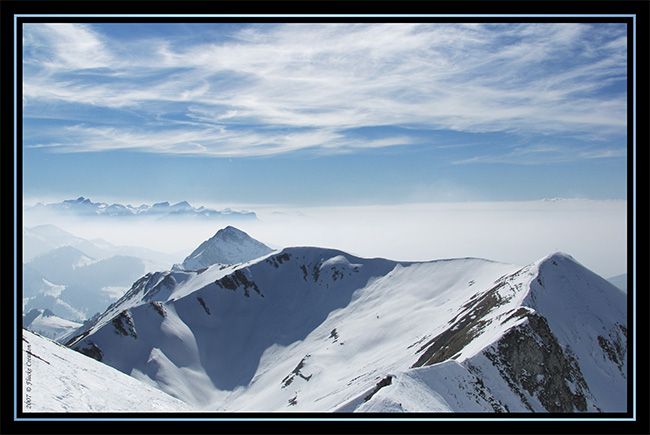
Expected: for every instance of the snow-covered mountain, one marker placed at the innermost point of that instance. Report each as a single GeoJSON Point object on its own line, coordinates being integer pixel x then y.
{"type": "Point", "coordinates": [85, 207]}
{"type": "Point", "coordinates": [47, 324]}
{"type": "Point", "coordinates": [41, 239]}
{"type": "Point", "coordinates": [228, 246]}
{"type": "Point", "coordinates": [58, 264]}
{"type": "Point", "coordinates": [313, 329]}
{"type": "Point", "coordinates": [61, 380]}
{"type": "Point", "coordinates": [75, 286]}
{"type": "Point", "coordinates": [39, 293]}
{"type": "Point", "coordinates": [75, 277]}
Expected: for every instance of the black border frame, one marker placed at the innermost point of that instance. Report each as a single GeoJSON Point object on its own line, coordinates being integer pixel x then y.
{"type": "Point", "coordinates": [397, 423]}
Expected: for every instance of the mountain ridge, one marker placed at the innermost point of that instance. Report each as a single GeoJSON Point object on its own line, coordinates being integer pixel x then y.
{"type": "Point", "coordinates": [306, 313]}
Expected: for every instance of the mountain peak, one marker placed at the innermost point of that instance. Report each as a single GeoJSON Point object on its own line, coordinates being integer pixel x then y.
{"type": "Point", "coordinates": [230, 231]}
{"type": "Point", "coordinates": [229, 245]}
{"type": "Point", "coordinates": [558, 256]}
{"type": "Point", "coordinates": [80, 200]}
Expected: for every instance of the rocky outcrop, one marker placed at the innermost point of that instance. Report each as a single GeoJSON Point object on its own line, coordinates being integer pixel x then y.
{"type": "Point", "coordinates": [530, 359]}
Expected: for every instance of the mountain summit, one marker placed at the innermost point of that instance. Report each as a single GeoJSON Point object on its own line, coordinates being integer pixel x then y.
{"type": "Point", "coordinates": [228, 246]}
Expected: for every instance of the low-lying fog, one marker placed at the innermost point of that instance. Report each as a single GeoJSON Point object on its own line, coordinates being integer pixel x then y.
{"type": "Point", "coordinates": [593, 232]}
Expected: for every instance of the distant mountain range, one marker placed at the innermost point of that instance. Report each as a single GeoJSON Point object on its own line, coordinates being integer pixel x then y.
{"type": "Point", "coordinates": [40, 239]}
{"type": "Point", "coordinates": [75, 286]}
{"type": "Point", "coordinates": [73, 277]}
{"type": "Point", "coordinates": [160, 210]}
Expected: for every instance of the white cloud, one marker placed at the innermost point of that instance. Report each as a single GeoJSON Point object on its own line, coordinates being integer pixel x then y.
{"type": "Point", "coordinates": [323, 79]}
{"type": "Point", "coordinates": [65, 46]}
{"type": "Point", "coordinates": [539, 154]}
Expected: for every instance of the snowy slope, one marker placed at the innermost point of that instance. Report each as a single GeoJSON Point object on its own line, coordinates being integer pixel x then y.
{"type": "Point", "coordinates": [443, 387]}
{"type": "Point", "coordinates": [550, 337]}
{"type": "Point", "coordinates": [45, 323]}
{"type": "Point", "coordinates": [313, 329]}
{"type": "Point", "coordinates": [61, 380]}
{"type": "Point", "coordinates": [228, 246]}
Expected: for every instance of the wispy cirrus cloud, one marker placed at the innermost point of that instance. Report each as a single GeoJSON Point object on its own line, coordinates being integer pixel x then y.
{"type": "Point", "coordinates": [60, 47]}
{"type": "Point", "coordinates": [545, 154]}
{"type": "Point", "coordinates": [268, 89]}
{"type": "Point", "coordinates": [213, 142]}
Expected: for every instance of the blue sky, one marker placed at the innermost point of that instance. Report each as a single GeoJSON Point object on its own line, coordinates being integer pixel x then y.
{"type": "Point", "coordinates": [336, 114]}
